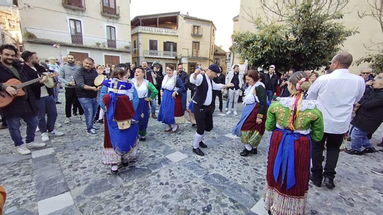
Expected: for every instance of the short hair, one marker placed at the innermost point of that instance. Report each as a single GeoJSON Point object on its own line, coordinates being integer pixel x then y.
{"type": "Point", "coordinates": [26, 55]}
{"type": "Point", "coordinates": [314, 73]}
{"type": "Point", "coordinates": [9, 47]}
{"type": "Point", "coordinates": [369, 69]}
{"type": "Point", "coordinates": [180, 64]}
{"type": "Point", "coordinates": [235, 65]}
{"type": "Point", "coordinates": [170, 66]}
{"type": "Point", "coordinates": [253, 74]}
{"type": "Point", "coordinates": [89, 58]}
{"type": "Point", "coordinates": [344, 58]}
{"type": "Point", "coordinates": [139, 68]}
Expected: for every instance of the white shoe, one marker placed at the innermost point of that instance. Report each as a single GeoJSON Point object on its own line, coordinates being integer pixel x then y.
{"type": "Point", "coordinates": [229, 112]}
{"type": "Point", "coordinates": [56, 133]}
{"type": "Point", "coordinates": [37, 129]}
{"type": "Point", "coordinates": [235, 113]}
{"type": "Point", "coordinates": [67, 120]}
{"type": "Point", "coordinates": [34, 145]}
{"type": "Point", "coordinates": [23, 150]}
{"type": "Point", "coordinates": [92, 131]}
{"type": "Point", "coordinates": [44, 137]}
{"type": "Point", "coordinates": [226, 109]}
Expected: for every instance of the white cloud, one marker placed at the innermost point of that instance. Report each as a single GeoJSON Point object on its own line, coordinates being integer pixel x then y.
{"type": "Point", "coordinates": [221, 12]}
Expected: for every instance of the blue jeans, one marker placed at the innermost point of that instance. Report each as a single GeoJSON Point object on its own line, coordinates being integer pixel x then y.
{"type": "Point", "coordinates": [90, 109]}
{"type": "Point", "coordinates": [14, 129]}
{"type": "Point", "coordinates": [153, 105]}
{"type": "Point", "coordinates": [270, 95]}
{"type": "Point", "coordinates": [47, 106]}
{"type": "Point", "coordinates": [359, 139]}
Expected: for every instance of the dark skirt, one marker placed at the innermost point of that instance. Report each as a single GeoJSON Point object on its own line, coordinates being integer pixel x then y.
{"type": "Point", "coordinates": [143, 114]}
{"type": "Point", "coordinates": [178, 106]}
{"type": "Point", "coordinates": [279, 199]}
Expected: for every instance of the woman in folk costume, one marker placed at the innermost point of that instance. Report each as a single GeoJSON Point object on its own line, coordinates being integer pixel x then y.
{"type": "Point", "coordinates": [296, 123]}
{"type": "Point", "coordinates": [144, 89]}
{"type": "Point", "coordinates": [251, 126]}
{"type": "Point", "coordinates": [121, 127]}
{"type": "Point", "coordinates": [171, 106]}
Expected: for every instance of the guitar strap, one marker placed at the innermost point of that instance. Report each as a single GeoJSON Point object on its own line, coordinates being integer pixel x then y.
{"type": "Point", "coordinates": [15, 72]}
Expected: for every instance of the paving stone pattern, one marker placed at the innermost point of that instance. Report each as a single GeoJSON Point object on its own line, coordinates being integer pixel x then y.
{"type": "Point", "coordinates": [68, 177]}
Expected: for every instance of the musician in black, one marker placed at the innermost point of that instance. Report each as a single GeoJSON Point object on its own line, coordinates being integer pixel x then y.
{"type": "Point", "coordinates": [22, 107]}
{"type": "Point", "coordinates": [203, 106]}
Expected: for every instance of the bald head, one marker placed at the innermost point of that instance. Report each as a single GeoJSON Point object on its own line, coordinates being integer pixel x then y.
{"type": "Point", "coordinates": [344, 60]}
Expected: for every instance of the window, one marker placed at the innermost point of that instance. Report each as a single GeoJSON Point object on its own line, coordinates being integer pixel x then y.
{"type": "Point", "coordinates": [75, 3]}
{"type": "Point", "coordinates": [111, 36]}
{"type": "Point", "coordinates": [79, 56]}
{"type": "Point", "coordinates": [196, 30]}
{"type": "Point", "coordinates": [170, 48]}
{"type": "Point", "coordinates": [134, 46]}
{"type": "Point", "coordinates": [75, 31]}
{"type": "Point", "coordinates": [109, 6]}
{"type": "Point", "coordinates": [195, 49]}
{"type": "Point", "coordinates": [153, 47]}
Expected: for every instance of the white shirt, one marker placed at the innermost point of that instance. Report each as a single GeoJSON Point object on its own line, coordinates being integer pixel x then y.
{"type": "Point", "coordinates": [198, 82]}
{"type": "Point", "coordinates": [336, 94]}
{"type": "Point", "coordinates": [142, 90]}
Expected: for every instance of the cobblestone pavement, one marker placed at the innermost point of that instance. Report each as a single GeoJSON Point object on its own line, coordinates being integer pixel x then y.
{"type": "Point", "coordinates": [67, 177]}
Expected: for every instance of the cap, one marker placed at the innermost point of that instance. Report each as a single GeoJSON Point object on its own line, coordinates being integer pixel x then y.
{"type": "Point", "coordinates": [215, 68]}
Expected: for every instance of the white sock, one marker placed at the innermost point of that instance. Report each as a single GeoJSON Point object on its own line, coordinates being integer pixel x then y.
{"type": "Point", "coordinates": [248, 147]}
{"type": "Point", "coordinates": [197, 139]}
{"type": "Point", "coordinates": [173, 126]}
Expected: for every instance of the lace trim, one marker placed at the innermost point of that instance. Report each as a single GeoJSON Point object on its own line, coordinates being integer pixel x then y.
{"type": "Point", "coordinates": [306, 104]}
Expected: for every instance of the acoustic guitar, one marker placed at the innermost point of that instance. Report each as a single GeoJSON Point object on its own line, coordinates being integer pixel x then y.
{"type": "Point", "coordinates": [6, 98]}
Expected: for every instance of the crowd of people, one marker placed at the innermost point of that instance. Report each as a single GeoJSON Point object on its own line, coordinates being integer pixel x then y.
{"type": "Point", "coordinates": [307, 113]}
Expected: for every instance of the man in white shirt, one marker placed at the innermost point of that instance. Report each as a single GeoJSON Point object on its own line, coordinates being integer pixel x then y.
{"type": "Point", "coordinates": [336, 94]}
{"type": "Point", "coordinates": [202, 99]}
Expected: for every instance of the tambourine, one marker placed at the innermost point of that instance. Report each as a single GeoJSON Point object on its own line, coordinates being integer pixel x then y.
{"type": "Point", "coordinates": [99, 79]}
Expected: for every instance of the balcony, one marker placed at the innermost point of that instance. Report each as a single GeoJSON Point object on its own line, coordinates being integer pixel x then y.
{"type": "Point", "coordinates": [77, 39]}
{"type": "Point", "coordinates": [160, 54]}
{"type": "Point", "coordinates": [110, 12]}
{"type": "Point", "coordinates": [111, 43]}
{"type": "Point", "coordinates": [154, 30]}
{"type": "Point", "coordinates": [74, 4]}
{"type": "Point", "coordinates": [196, 34]}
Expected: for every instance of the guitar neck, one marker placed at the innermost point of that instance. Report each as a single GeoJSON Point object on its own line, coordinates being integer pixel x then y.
{"type": "Point", "coordinates": [28, 83]}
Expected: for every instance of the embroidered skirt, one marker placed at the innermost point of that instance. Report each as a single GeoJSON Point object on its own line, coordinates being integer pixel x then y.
{"type": "Point", "coordinates": [279, 199]}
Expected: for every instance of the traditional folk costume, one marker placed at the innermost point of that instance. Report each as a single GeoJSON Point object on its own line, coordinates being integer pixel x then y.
{"type": "Point", "coordinates": [251, 133]}
{"type": "Point", "coordinates": [171, 108]}
{"type": "Point", "coordinates": [203, 108]}
{"type": "Point", "coordinates": [144, 90]}
{"type": "Point", "coordinates": [295, 123]}
{"type": "Point", "coordinates": [121, 127]}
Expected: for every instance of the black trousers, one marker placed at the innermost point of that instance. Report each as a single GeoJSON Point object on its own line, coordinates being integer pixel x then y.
{"type": "Point", "coordinates": [204, 118]}
{"type": "Point", "coordinates": [219, 94]}
{"type": "Point", "coordinates": [333, 143]}
{"type": "Point", "coordinates": [159, 96]}
{"type": "Point", "coordinates": [72, 101]}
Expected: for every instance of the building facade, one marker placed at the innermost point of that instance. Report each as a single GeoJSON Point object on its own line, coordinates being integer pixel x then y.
{"type": "Point", "coordinates": [10, 25]}
{"type": "Point", "coordinates": [172, 38]}
{"type": "Point", "coordinates": [359, 45]}
{"type": "Point", "coordinates": [84, 28]}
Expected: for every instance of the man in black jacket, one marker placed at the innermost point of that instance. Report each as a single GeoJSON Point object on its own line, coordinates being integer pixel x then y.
{"type": "Point", "coordinates": [220, 79]}
{"type": "Point", "coordinates": [271, 83]}
{"type": "Point", "coordinates": [44, 94]}
{"type": "Point", "coordinates": [367, 120]}
{"type": "Point", "coordinates": [23, 107]}
{"type": "Point", "coordinates": [184, 76]}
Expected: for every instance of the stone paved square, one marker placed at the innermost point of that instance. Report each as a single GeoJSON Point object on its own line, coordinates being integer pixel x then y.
{"type": "Point", "coordinates": [168, 178]}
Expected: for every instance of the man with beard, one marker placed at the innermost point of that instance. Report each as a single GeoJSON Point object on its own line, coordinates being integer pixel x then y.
{"type": "Point", "coordinates": [44, 96]}
{"type": "Point", "coordinates": [67, 72]}
{"type": "Point", "coordinates": [23, 107]}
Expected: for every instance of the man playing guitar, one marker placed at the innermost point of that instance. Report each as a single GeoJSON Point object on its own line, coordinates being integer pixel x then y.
{"type": "Point", "coordinates": [23, 107]}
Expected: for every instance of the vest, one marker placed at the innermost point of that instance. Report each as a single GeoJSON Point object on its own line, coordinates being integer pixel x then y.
{"type": "Point", "coordinates": [201, 92]}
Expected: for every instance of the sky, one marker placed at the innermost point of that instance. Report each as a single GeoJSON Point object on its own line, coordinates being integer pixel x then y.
{"type": "Point", "coordinates": [221, 12]}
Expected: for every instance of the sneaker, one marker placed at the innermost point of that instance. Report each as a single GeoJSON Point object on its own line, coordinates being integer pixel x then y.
{"type": "Point", "coordinates": [37, 129]}
{"type": "Point", "coordinates": [44, 137]}
{"type": "Point", "coordinates": [235, 113]}
{"type": "Point", "coordinates": [67, 120]}
{"type": "Point", "coordinates": [34, 145]}
{"type": "Point", "coordinates": [353, 152]}
{"type": "Point", "coordinates": [95, 128]}
{"type": "Point", "coordinates": [56, 133]}
{"type": "Point", "coordinates": [369, 150]}
{"type": "Point", "coordinates": [23, 150]}
{"type": "Point", "coordinates": [226, 109]}
{"type": "Point", "coordinates": [228, 112]}
{"type": "Point", "coordinates": [92, 131]}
